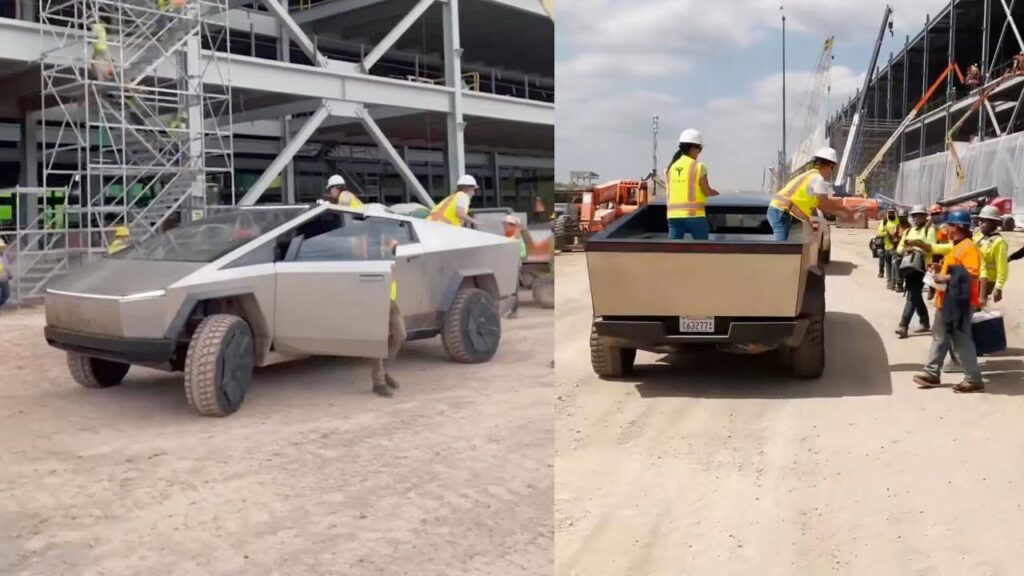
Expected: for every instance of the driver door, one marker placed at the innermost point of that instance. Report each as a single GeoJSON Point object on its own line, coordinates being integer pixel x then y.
{"type": "Point", "coordinates": [331, 299]}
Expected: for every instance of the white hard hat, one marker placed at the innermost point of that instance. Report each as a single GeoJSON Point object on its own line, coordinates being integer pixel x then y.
{"type": "Point", "coordinates": [335, 180]}
{"type": "Point", "coordinates": [511, 219]}
{"type": "Point", "coordinates": [990, 213]}
{"type": "Point", "coordinates": [827, 153]}
{"type": "Point", "coordinates": [691, 136]}
{"type": "Point", "coordinates": [918, 209]}
{"type": "Point", "coordinates": [467, 180]}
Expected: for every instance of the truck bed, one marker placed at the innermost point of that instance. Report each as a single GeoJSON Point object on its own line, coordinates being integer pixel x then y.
{"type": "Point", "coordinates": [740, 272]}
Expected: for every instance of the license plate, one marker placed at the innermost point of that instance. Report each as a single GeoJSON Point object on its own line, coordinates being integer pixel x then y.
{"type": "Point", "coordinates": [697, 325]}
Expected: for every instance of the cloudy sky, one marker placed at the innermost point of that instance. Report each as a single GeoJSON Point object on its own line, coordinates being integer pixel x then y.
{"type": "Point", "coordinates": [714, 65]}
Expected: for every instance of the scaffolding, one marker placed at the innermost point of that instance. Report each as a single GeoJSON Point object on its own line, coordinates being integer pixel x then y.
{"type": "Point", "coordinates": [136, 123]}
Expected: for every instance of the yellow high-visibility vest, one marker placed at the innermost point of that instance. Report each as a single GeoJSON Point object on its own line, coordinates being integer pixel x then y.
{"type": "Point", "coordinates": [796, 197]}
{"type": "Point", "coordinates": [686, 197]}
{"type": "Point", "coordinates": [349, 200]}
{"type": "Point", "coordinates": [995, 258]}
{"type": "Point", "coordinates": [116, 246]}
{"type": "Point", "coordinates": [447, 210]}
{"type": "Point", "coordinates": [101, 38]}
{"type": "Point", "coordinates": [394, 290]}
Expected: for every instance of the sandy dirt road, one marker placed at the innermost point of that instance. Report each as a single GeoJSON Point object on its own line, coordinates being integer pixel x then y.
{"type": "Point", "coordinates": [720, 466]}
{"type": "Point", "coordinates": [314, 475]}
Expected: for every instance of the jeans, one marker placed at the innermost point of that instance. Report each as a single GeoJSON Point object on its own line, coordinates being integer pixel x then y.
{"type": "Point", "coordinates": [915, 301]}
{"type": "Point", "coordinates": [697, 227]}
{"type": "Point", "coordinates": [5, 292]}
{"type": "Point", "coordinates": [780, 222]}
{"type": "Point", "coordinates": [396, 337]}
{"type": "Point", "coordinates": [895, 279]}
{"type": "Point", "coordinates": [959, 342]}
{"type": "Point", "coordinates": [885, 265]}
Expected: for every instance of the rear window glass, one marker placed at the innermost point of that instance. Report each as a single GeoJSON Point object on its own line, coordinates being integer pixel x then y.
{"type": "Point", "coordinates": [211, 238]}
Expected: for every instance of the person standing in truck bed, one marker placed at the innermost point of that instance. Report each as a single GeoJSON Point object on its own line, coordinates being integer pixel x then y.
{"type": "Point", "coordinates": [805, 193]}
{"type": "Point", "coordinates": [688, 189]}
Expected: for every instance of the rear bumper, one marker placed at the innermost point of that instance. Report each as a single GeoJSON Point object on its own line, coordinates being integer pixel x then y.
{"type": "Point", "coordinates": [126, 350]}
{"type": "Point", "coordinates": [653, 333]}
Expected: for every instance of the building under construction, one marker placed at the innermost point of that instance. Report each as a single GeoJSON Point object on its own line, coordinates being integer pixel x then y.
{"type": "Point", "coordinates": [974, 113]}
{"type": "Point", "coordinates": [140, 113]}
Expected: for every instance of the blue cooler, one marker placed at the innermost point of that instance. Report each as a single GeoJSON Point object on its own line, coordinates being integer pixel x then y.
{"type": "Point", "coordinates": [988, 332]}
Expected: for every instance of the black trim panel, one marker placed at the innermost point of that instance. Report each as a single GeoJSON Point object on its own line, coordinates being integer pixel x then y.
{"type": "Point", "coordinates": [126, 350]}
{"type": "Point", "coordinates": [650, 333]}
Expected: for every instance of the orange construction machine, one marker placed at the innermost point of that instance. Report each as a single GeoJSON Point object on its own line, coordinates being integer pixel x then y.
{"type": "Point", "coordinates": [593, 209]}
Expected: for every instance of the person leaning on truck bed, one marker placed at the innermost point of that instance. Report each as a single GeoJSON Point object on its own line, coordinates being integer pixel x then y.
{"type": "Point", "coordinates": [805, 193]}
{"type": "Point", "coordinates": [688, 189]}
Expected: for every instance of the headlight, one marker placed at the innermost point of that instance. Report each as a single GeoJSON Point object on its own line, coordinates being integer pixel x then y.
{"type": "Point", "coordinates": [144, 296]}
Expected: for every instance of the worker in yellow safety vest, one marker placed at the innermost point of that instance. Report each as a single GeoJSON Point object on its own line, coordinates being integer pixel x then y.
{"type": "Point", "coordinates": [339, 194]}
{"type": "Point", "coordinates": [454, 209]}
{"type": "Point", "coordinates": [102, 65]}
{"type": "Point", "coordinates": [122, 239]}
{"type": "Point", "coordinates": [514, 231]}
{"type": "Point", "coordinates": [6, 274]}
{"type": "Point", "coordinates": [995, 254]}
{"type": "Point", "coordinates": [688, 189]}
{"type": "Point", "coordinates": [383, 382]}
{"type": "Point", "coordinates": [804, 194]}
{"type": "Point", "coordinates": [888, 231]}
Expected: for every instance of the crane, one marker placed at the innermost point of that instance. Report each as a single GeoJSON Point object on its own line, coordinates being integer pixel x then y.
{"type": "Point", "coordinates": [848, 151]}
{"type": "Point", "coordinates": [813, 136]}
{"type": "Point", "coordinates": [860, 182]}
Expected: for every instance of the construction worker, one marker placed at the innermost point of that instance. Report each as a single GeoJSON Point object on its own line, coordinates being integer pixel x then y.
{"type": "Point", "coordinates": [1018, 64]}
{"type": "Point", "coordinates": [888, 231]}
{"type": "Point", "coordinates": [903, 217]}
{"type": "Point", "coordinates": [122, 239]}
{"type": "Point", "coordinates": [339, 194]}
{"type": "Point", "coordinates": [688, 189]}
{"type": "Point", "coordinates": [454, 209]}
{"type": "Point", "coordinates": [958, 296]}
{"type": "Point", "coordinates": [6, 274]}
{"type": "Point", "coordinates": [102, 65]}
{"type": "Point", "coordinates": [512, 228]}
{"type": "Point", "coordinates": [921, 229]}
{"type": "Point", "coordinates": [383, 382]}
{"type": "Point", "coordinates": [973, 79]}
{"type": "Point", "coordinates": [995, 254]}
{"type": "Point", "coordinates": [805, 193]}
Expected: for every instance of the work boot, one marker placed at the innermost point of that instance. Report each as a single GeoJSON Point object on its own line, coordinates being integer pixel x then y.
{"type": "Point", "coordinates": [881, 274]}
{"type": "Point", "coordinates": [900, 290]}
{"type": "Point", "coordinates": [391, 382]}
{"type": "Point", "coordinates": [926, 381]}
{"type": "Point", "coordinates": [382, 390]}
{"type": "Point", "coordinates": [923, 330]}
{"type": "Point", "coordinates": [966, 387]}
{"type": "Point", "coordinates": [901, 332]}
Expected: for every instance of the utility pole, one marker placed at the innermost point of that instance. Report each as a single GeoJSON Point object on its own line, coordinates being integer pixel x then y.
{"type": "Point", "coordinates": [654, 169]}
{"type": "Point", "coordinates": [782, 166]}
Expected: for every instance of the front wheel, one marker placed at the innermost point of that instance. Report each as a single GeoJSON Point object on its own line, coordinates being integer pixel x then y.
{"type": "Point", "coordinates": [219, 365]}
{"type": "Point", "coordinates": [91, 372]}
{"type": "Point", "coordinates": [472, 327]}
{"type": "Point", "coordinates": [808, 359]}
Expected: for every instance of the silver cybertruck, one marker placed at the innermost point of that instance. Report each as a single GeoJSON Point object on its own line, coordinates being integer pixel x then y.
{"type": "Point", "coordinates": [262, 285]}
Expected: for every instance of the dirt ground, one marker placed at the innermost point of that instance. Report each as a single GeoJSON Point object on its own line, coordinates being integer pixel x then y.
{"type": "Point", "coordinates": [722, 466]}
{"type": "Point", "coordinates": [314, 475]}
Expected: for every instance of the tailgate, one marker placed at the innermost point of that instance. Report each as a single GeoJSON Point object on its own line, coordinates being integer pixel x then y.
{"type": "Point", "coordinates": [657, 278]}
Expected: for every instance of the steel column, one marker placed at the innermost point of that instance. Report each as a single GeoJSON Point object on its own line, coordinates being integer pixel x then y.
{"type": "Point", "coordinates": [951, 58]}
{"type": "Point", "coordinates": [986, 24]}
{"type": "Point", "coordinates": [286, 155]}
{"type": "Point", "coordinates": [197, 190]}
{"type": "Point", "coordinates": [888, 90]}
{"type": "Point", "coordinates": [453, 78]}
{"type": "Point", "coordinates": [396, 160]}
{"type": "Point", "coordinates": [389, 40]}
{"type": "Point", "coordinates": [924, 76]}
{"type": "Point", "coordinates": [906, 90]}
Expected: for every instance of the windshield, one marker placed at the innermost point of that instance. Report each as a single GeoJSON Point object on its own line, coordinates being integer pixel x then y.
{"type": "Point", "coordinates": [208, 239]}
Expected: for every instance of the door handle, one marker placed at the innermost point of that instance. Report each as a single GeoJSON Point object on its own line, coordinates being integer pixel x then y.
{"type": "Point", "coordinates": [371, 277]}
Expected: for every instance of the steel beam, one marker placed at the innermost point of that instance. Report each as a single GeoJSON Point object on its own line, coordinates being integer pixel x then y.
{"type": "Point", "coordinates": [295, 32]}
{"type": "Point", "coordinates": [453, 79]}
{"type": "Point", "coordinates": [396, 159]}
{"type": "Point", "coordinates": [332, 8]}
{"type": "Point", "coordinates": [285, 156]}
{"type": "Point", "coordinates": [401, 28]}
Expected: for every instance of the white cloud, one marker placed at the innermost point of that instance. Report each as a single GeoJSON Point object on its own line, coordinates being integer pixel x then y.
{"type": "Point", "coordinates": [619, 61]}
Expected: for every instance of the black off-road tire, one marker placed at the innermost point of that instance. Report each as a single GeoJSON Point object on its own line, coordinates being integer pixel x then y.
{"type": "Point", "coordinates": [564, 226]}
{"type": "Point", "coordinates": [544, 291]}
{"type": "Point", "coordinates": [610, 361]}
{"type": "Point", "coordinates": [219, 365]}
{"type": "Point", "coordinates": [472, 327]}
{"type": "Point", "coordinates": [92, 372]}
{"type": "Point", "coordinates": [826, 256]}
{"type": "Point", "coordinates": [808, 359]}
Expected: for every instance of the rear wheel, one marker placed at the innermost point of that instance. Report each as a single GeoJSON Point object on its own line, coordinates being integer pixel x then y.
{"type": "Point", "coordinates": [92, 372]}
{"type": "Point", "coordinates": [609, 361]}
{"type": "Point", "coordinates": [808, 359]}
{"type": "Point", "coordinates": [472, 327]}
{"type": "Point", "coordinates": [826, 256]}
{"type": "Point", "coordinates": [544, 290]}
{"type": "Point", "coordinates": [219, 365]}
